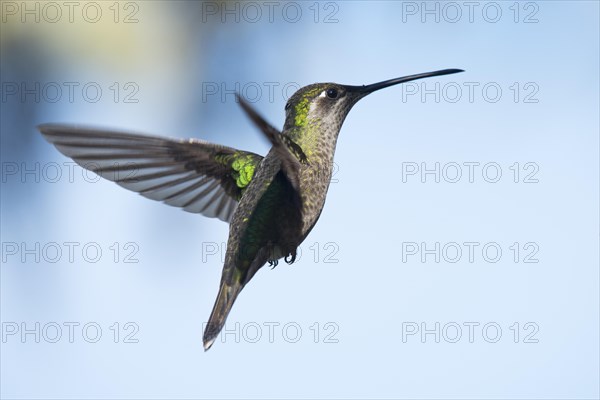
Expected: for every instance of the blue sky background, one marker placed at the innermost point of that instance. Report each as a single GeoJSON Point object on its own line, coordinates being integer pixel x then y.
{"type": "Point", "coordinates": [342, 316]}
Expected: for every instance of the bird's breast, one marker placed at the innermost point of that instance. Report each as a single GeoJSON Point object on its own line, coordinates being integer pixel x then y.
{"type": "Point", "coordinates": [314, 183]}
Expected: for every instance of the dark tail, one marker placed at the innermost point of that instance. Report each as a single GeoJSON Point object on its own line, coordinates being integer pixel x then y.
{"type": "Point", "coordinates": [227, 295]}
{"type": "Point", "coordinates": [232, 283]}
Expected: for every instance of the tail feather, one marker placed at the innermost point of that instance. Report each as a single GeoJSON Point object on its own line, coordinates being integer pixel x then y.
{"type": "Point", "coordinates": [232, 283]}
{"type": "Point", "coordinates": [227, 295]}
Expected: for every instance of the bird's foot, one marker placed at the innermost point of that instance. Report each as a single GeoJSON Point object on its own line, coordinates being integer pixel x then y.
{"type": "Point", "coordinates": [290, 258]}
{"type": "Point", "coordinates": [273, 263]}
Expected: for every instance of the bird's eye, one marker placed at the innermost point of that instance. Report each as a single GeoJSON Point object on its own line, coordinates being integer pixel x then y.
{"type": "Point", "coordinates": [332, 93]}
{"type": "Point", "coordinates": [287, 106]}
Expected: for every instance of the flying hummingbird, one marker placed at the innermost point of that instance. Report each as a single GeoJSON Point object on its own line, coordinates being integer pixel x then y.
{"type": "Point", "coordinates": [271, 202]}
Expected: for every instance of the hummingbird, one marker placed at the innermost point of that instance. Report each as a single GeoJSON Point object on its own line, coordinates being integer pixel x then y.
{"type": "Point", "coordinates": [271, 203]}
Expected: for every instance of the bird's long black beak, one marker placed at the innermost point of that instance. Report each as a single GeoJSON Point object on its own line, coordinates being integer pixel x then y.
{"type": "Point", "coordinates": [366, 89]}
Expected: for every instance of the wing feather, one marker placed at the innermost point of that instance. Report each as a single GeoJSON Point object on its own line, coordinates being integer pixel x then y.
{"type": "Point", "coordinates": [198, 176]}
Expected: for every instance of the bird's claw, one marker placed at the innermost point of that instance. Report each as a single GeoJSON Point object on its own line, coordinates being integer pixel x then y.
{"type": "Point", "coordinates": [292, 258]}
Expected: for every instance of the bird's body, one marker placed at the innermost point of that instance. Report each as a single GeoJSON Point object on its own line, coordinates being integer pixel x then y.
{"type": "Point", "coordinates": [273, 218]}
{"type": "Point", "coordinates": [272, 203]}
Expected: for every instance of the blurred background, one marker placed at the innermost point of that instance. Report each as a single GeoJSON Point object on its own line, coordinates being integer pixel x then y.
{"type": "Point", "coordinates": [457, 254]}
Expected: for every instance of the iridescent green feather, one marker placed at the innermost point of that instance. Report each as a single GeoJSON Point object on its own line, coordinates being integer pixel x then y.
{"type": "Point", "coordinates": [303, 106]}
{"type": "Point", "coordinates": [242, 167]}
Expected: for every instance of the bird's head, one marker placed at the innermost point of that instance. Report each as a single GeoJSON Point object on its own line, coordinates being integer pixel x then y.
{"type": "Point", "coordinates": [328, 104]}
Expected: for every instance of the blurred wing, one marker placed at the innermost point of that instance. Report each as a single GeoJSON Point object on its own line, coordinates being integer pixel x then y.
{"type": "Point", "coordinates": [289, 152]}
{"type": "Point", "coordinates": [198, 176]}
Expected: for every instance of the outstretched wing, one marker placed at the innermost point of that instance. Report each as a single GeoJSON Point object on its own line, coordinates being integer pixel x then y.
{"type": "Point", "coordinates": [198, 176]}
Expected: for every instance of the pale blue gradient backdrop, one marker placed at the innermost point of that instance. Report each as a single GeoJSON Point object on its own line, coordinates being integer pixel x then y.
{"type": "Point", "coordinates": [370, 294]}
